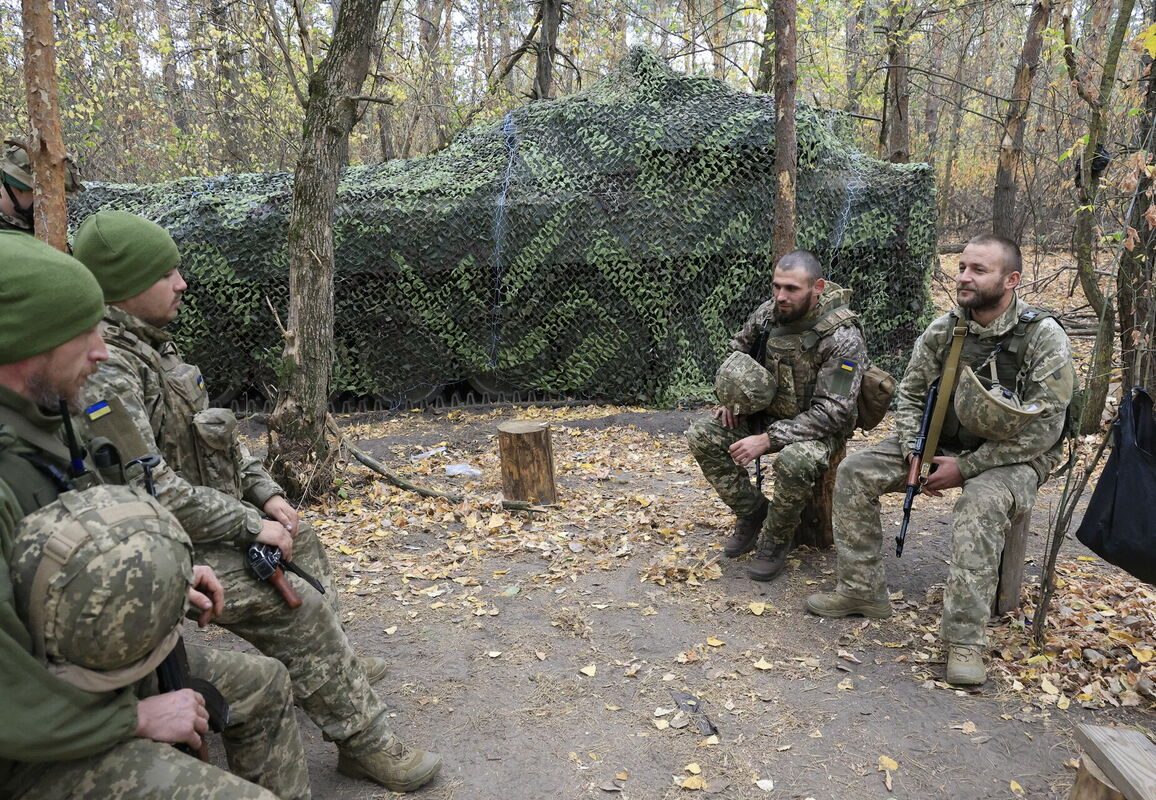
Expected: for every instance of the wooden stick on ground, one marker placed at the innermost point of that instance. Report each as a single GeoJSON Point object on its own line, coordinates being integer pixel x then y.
{"type": "Point", "coordinates": [367, 460]}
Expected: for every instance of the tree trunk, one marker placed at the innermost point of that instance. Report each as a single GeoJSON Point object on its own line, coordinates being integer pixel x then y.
{"type": "Point", "coordinates": [895, 138]}
{"type": "Point", "coordinates": [1085, 233]}
{"type": "Point", "coordinates": [859, 21]}
{"type": "Point", "coordinates": [547, 49]}
{"type": "Point", "coordinates": [786, 147]}
{"type": "Point", "coordinates": [302, 457]}
{"type": "Point", "coordinates": [1003, 205]}
{"type": "Point", "coordinates": [945, 188]}
{"type": "Point", "coordinates": [766, 51]}
{"type": "Point", "coordinates": [46, 149]}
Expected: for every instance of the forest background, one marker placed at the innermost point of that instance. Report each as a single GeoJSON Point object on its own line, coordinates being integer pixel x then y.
{"type": "Point", "coordinates": [160, 89]}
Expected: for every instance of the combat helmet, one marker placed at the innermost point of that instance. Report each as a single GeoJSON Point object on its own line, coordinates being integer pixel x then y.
{"type": "Point", "coordinates": [101, 580]}
{"type": "Point", "coordinates": [16, 168]}
{"type": "Point", "coordinates": [744, 385]}
{"type": "Point", "coordinates": [994, 414]}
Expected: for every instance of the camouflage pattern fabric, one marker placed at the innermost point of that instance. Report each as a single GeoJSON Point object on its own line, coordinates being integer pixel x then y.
{"type": "Point", "coordinates": [124, 767]}
{"type": "Point", "coordinates": [164, 398]}
{"type": "Point", "coordinates": [982, 517]}
{"type": "Point", "coordinates": [1000, 478]}
{"type": "Point", "coordinates": [818, 382]}
{"type": "Point", "coordinates": [743, 385]}
{"type": "Point", "coordinates": [261, 740]}
{"type": "Point", "coordinates": [137, 770]}
{"type": "Point", "coordinates": [601, 245]}
{"type": "Point", "coordinates": [794, 471]}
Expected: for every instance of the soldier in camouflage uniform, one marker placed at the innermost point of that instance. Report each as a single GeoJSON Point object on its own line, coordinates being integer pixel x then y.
{"type": "Point", "coordinates": [16, 187]}
{"type": "Point", "coordinates": [146, 398]}
{"type": "Point", "coordinates": [78, 723]}
{"type": "Point", "coordinates": [799, 403]}
{"type": "Point", "coordinates": [998, 450]}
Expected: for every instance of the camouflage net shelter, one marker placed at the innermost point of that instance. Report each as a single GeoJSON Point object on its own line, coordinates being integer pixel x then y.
{"type": "Point", "coordinates": [604, 246]}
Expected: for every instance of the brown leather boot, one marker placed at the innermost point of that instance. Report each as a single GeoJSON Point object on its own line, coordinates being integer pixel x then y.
{"type": "Point", "coordinates": [746, 533]}
{"type": "Point", "coordinates": [770, 559]}
{"type": "Point", "coordinates": [397, 767]}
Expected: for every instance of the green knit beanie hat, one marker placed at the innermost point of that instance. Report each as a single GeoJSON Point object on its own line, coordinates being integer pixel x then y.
{"type": "Point", "coordinates": [46, 297]}
{"type": "Point", "coordinates": [126, 253]}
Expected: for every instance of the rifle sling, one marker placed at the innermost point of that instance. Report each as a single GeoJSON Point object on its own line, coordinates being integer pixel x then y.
{"type": "Point", "coordinates": [946, 390]}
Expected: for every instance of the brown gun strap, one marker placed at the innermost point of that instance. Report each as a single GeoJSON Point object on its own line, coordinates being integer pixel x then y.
{"type": "Point", "coordinates": [946, 386]}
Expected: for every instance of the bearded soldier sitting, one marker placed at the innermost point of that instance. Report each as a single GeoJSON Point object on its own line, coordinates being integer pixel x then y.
{"type": "Point", "coordinates": [789, 387]}
{"type": "Point", "coordinates": [146, 398]}
{"type": "Point", "coordinates": [100, 578]}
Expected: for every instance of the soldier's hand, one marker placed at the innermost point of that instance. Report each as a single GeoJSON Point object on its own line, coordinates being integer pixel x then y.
{"type": "Point", "coordinates": [278, 508]}
{"type": "Point", "coordinates": [944, 474]}
{"type": "Point", "coordinates": [173, 717]}
{"type": "Point", "coordinates": [744, 451]}
{"type": "Point", "coordinates": [274, 533]}
{"type": "Point", "coordinates": [727, 417]}
{"type": "Point", "coordinates": [206, 594]}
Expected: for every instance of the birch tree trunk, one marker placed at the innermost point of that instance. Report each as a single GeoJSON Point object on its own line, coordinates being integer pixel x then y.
{"type": "Point", "coordinates": [786, 146]}
{"type": "Point", "coordinates": [301, 455]}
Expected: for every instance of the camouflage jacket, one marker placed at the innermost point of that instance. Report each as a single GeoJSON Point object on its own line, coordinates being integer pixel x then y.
{"type": "Point", "coordinates": [1044, 374]}
{"type": "Point", "coordinates": [45, 718]}
{"type": "Point", "coordinates": [818, 380]}
{"type": "Point", "coordinates": [207, 478]}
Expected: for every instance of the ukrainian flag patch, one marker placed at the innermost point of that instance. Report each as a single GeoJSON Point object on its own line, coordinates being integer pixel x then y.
{"type": "Point", "coordinates": [843, 378]}
{"type": "Point", "coordinates": [200, 381]}
{"type": "Point", "coordinates": [97, 410]}
{"type": "Point", "coordinates": [848, 365]}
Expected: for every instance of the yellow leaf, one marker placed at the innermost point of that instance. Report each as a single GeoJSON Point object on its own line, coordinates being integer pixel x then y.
{"type": "Point", "coordinates": [713, 642]}
{"type": "Point", "coordinates": [494, 653]}
{"type": "Point", "coordinates": [591, 670]}
{"type": "Point", "coordinates": [391, 630]}
{"type": "Point", "coordinates": [621, 775]}
{"type": "Point", "coordinates": [1147, 40]}
{"type": "Point", "coordinates": [612, 708]}
{"type": "Point", "coordinates": [693, 768]}
{"type": "Point", "coordinates": [887, 762]}
{"type": "Point", "coordinates": [1143, 654]}
{"type": "Point", "coordinates": [1048, 686]}
{"type": "Point", "coordinates": [1085, 558]}
{"type": "Point", "coordinates": [346, 549]}
{"type": "Point", "coordinates": [762, 663]}
{"type": "Point", "coordinates": [496, 521]}
{"type": "Point", "coordinates": [1017, 790]}
{"type": "Point", "coordinates": [757, 608]}
{"type": "Point", "coordinates": [846, 683]}
{"type": "Point", "coordinates": [693, 782]}
{"type": "Point", "coordinates": [1063, 703]}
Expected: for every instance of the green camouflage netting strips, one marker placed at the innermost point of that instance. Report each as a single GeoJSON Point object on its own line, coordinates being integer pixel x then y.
{"type": "Point", "coordinates": [605, 246]}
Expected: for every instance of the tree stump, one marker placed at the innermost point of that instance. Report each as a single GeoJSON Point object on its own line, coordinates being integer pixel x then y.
{"type": "Point", "coordinates": [1092, 784]}
{"type": "Point", "coordinates": [1011, 566]}
{"type": "Point", "coordinates": [815, 523]}
{"type": "Point", "coordinates": [527, 461]}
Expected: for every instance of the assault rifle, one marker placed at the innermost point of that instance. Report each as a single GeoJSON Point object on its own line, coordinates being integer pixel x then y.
{"type": "Point", "coordinates": [914, 478]}
{"type": "Point", "coordinates": [267, 563]}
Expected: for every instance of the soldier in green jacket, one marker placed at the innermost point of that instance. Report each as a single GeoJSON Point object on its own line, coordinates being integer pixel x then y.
{"type": "Point", "coordinates": [16, 187]}
{"type": "Point", "coordinates": [64, 736]}
{"type": "Point", "coordinates": [1000, 441]}
{"type": "Point", "coordinates": [146, 398]}
{"type": "Point", "coordinates": [789, 387]}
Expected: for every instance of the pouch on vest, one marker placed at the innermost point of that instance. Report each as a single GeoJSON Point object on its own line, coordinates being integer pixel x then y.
{"type": "Point", "coordinates": [215, 437]}
{"type": "Point", "coordinates": [1118, 525]}
{"type": "Point", "coordinates": [875, 393]}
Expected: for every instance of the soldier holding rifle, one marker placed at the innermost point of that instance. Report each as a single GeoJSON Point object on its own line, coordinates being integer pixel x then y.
{"type": "Point", "coordinates": [1004, 378]}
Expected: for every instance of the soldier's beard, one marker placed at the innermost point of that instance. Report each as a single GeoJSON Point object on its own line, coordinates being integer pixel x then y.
{"type": "Point", "coordinates": [780, 317]}
{"type": "Point", "coordinates": [980, 299]}
{"type": "Point", "coordinates": [47, 394]}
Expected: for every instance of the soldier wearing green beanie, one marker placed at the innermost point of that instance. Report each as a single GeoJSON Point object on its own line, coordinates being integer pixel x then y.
{"type": "Point", "coordinates": [127, 253]}
{"type": "Point", "coordinates": [81, 734]}
{"type": "Point", "coordinates": [47, 297]}
{"type": "Point", "coordinates": [146, 396]}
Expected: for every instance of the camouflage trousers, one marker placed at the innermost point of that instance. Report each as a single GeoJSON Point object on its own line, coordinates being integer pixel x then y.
{"type": "Point", "coordinates": [328, 682]}
{"type": "Point", "coordinates": [261, 742]}
{"type": "Point", "coordinates": [982, 518]}
{"type": "Point", "coordinates": [794, 471]}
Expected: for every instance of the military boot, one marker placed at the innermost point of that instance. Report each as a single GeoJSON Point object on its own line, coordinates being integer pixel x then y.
{"type": "Point", "coordinates": [770, 558]}
{"type": "Point", "coordinates": [375, 668]}
{"type": "Point", "coordinates": [965, 665]}
{"type": "Point", "coordinates": [833, 604]}
{"type": "Point", "coordinates": [746, 532]}
{"type": "Point", "coordinates": [396, 767]}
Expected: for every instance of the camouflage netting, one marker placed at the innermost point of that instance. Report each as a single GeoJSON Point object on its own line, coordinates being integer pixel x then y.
{"type": "Point", "coordinates": [604, 245]}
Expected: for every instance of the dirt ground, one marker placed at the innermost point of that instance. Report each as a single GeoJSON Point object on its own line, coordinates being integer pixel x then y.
{"type": "Point", "coordinates": [541, 654]}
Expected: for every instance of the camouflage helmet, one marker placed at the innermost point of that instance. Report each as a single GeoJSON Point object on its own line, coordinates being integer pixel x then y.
{"type": "Point", "coordinates": [16, 168]}
{"type": "Point", "coordinates": [101, 580]}
{"type": "Point", "coordinates": [994, 414]}
{"type": "Point", "coordinates": [744, 385]}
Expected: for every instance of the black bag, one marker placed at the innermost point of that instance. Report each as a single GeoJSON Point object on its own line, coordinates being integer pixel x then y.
{"type": "Point", "coordinates": [1119, 525]}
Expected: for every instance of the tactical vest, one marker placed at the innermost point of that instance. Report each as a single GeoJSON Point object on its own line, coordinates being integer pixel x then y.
{"type": "Point", "coordinates": [792, 356]}
{"type": "Point", "coordinates": [1008, 354]}
{"type": "Point", "coordinates": [198, 442]}
{"type": "Point", "coordinates": [35, 478]}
